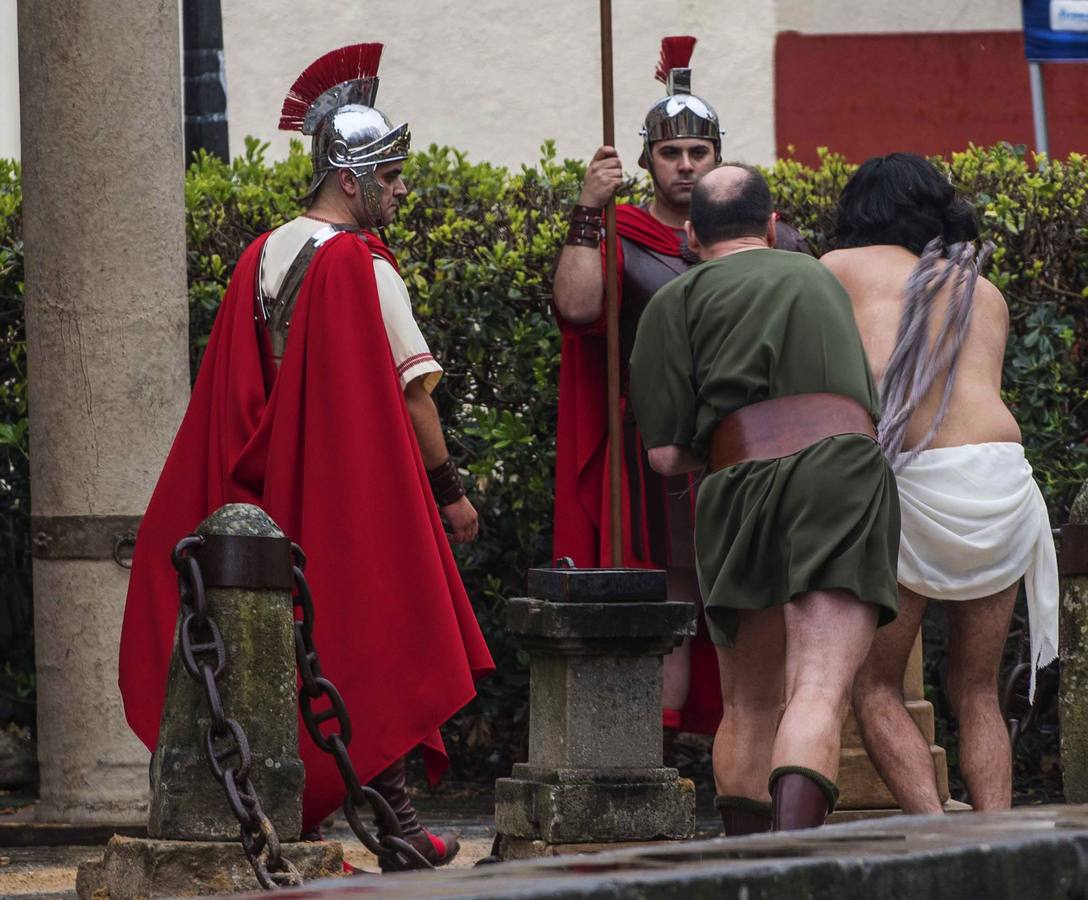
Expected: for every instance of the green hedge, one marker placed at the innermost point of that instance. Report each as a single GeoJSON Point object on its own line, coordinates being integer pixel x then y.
{"type": "Point", "coordinates": [16, 615]}
{"type": "Point", "coordinates": [477, 244]}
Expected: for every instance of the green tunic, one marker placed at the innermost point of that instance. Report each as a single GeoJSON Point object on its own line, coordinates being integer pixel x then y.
{"type": "Point", "coordinates": [734, 331]}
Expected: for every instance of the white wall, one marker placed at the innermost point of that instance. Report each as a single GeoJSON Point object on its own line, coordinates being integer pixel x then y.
{"type": "Point", "coordinates": [9, 81]}
{"type": "Point", "coordinates": [870, 16]}
{"type": "Point", "coordinates": [498, 77]}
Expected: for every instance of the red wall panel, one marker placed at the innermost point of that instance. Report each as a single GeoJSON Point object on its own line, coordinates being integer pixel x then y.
{"type": "Point", "coordinates": [868, 94]}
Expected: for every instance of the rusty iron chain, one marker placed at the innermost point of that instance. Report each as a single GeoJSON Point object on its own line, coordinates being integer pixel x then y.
{"type": "Point", "coordinates": [204, 656]}
{"type": "Point", "coordinates": [393, 851]}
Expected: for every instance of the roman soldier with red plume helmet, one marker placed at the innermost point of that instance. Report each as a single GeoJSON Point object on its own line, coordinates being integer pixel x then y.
{"type": "Point", "coordinates": [322, 415]}
{"type": "Point", "coordinates": [681, 142]}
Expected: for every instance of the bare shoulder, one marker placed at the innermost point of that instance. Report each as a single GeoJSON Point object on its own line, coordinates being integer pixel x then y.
{"type": "Point", "coordinates": [854, 262]}
{"type": "Point", "coordinates": [835, 260]}
{"type": "Point", "coordinates": [990, 302]}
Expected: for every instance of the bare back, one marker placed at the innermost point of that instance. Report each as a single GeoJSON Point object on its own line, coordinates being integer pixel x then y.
{"type": "Point", "coordinates": [875, 278]}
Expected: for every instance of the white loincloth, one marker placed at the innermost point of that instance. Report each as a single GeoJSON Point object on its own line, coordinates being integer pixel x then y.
{"type": "Point", "coordinates": [974, 522]}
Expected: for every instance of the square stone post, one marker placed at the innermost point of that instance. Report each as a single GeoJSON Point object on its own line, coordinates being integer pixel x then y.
{"type": "Point", "coordinates": [595, 639]}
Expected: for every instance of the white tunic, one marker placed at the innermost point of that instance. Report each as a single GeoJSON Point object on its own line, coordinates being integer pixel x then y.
{"type": "Point", "coordinates": [411, 354]}
{"type": "Point", "coordinates": [974, 522]}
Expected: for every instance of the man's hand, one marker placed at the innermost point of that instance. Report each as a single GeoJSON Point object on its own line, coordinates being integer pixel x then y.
{"type": "Point", "coordinates": [462, 519]}
{"type": "Point", "coordinates": [603, 178]}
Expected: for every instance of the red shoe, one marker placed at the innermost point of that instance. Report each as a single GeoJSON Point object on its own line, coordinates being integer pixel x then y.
{"type": "Point", "coordinates": [438, 850]}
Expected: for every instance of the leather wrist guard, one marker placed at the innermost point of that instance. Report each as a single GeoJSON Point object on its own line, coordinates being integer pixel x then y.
{"type": "Point", "coordinates": [446, 483]}
{"type": "Point", "coordinates": [585, 227]}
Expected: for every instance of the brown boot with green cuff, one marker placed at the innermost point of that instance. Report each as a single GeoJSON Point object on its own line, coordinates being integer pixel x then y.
{"type": "Point", "coordinates": [743, 815]}
{"type": "Point", "coordinates": [800, 798]}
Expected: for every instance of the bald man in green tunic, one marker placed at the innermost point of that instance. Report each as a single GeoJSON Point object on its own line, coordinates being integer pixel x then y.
{"type": "Point", "coordinates": [751, 366]}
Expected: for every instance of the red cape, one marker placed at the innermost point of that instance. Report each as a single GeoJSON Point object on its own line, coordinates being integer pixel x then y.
{"type": "Point", "coordinates": [582, 504]}
{"type": "Point", "coordinates": [332, 457]}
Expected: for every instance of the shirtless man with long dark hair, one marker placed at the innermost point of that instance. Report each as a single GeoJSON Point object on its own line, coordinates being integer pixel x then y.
{"type": "Point", "coordinates": [973, 519]}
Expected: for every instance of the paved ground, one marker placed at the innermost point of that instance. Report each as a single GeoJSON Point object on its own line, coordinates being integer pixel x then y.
{"type": "Point", "coordinates": [1039, 853]}
{"type": "Point", "coordinates": [40, 872]}
{"type": "Point", "coordinates": [45, 873]}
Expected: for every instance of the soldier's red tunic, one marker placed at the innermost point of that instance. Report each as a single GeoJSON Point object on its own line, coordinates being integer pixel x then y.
{"type": "Point", "coordinates": [331, 456]}
{"type": "Point", "coordinates": [655, 524]}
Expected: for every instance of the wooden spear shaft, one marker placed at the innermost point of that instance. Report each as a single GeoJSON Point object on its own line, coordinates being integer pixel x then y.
{"type": "Point", "coordinates": [611, 301]}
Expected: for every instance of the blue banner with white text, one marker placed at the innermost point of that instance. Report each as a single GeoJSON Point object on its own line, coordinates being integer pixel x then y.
{"type": "Point", "coordinates": [1056, 30]}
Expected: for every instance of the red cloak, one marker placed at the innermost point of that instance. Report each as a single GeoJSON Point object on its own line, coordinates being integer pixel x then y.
{"type": "Point", "coordinates": [582, 495]}
{"type": "Point", "coordinates": [331, 456]}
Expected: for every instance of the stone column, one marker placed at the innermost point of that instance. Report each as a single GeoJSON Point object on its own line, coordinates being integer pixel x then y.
{"type": "Point", "coordinates": [1073, 643]}
{"type": "Point", "coordinates": [106, 346]}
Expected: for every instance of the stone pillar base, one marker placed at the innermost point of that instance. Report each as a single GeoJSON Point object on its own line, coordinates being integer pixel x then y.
{"type": "Point", "coordinates": [572, 806]}
{"type": "Point", "coordinates": [857, 815]}
{"type": "Point", "coordinates": [512, 848]}
{"type": "Point", "coordinates": [143, 868]}
{"type": "Point", "coordinates": [860, 786]}
{"type": "Point", "coordinates": [123, 813]}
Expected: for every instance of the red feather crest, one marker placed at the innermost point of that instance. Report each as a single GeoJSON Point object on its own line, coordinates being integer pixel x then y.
{"type": "Point", "coordinates": [335, 67]}
{"type": "Point", "coordinates": [675, 54]}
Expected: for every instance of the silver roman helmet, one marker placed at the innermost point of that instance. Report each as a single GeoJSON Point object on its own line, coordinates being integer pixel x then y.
{"type": "Point", "coordinates": [333, 100]}
{"type": "Point", "coordinates": [680, 113]}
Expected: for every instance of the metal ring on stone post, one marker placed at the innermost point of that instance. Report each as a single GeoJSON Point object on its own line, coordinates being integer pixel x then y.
{"type": "Point", "coordinates": [84, 537]}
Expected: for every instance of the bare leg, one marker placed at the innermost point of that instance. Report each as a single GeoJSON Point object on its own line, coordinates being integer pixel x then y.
{"type": "Point", "coordinates": [828, 634]}
{"type": "Point", "coordinates": [683, 587]}
{"type": "Point", "coordinates": [752, 673]}
{"type": "Point", "coordinates": [897, 748]}
{"type": "Point", "coordinates": [976, 638]}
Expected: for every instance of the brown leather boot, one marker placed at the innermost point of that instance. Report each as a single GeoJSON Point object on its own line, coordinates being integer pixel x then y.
{"type": "Point", "coordinates": [800, 798]}
{"type": "Point", "coordinates": [743, 815]}
{"type": "Point", "coordinates": [391, 784]}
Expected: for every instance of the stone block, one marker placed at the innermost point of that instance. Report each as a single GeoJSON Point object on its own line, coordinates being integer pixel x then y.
{"type": "Point", "coordinates": [594, 711]}
{"type": "Point", "coordinates": [620, 629]}
{"type": "Point", "coordinates": [144, 869]}
{"type": "Point", "coordinates": [598, 585]}
{"type": "Point", "coordinates": [259, 690]}
{"type": "Point", "coordinates": [626, 806]}
{"type": "Point", "coordinates": [921, 711]}
{"type": "Point", "coordinates": [595, 639]}
{"type": "Point", "coordinates": [861, 787]}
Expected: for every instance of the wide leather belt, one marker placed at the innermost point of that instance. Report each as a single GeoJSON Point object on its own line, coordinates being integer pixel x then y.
{"type": "Point", "coordinates": [783, 426]}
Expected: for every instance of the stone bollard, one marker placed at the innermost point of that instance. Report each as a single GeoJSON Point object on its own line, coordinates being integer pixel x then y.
{"type": "Point", "coordinates": [258, 688]}
{"type": "Point", "coordinates": [1073, 644]}
{"type": "Point", "coordinates": [193, 837]}
{"type": "Point", "coordinates": [595, 639]}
